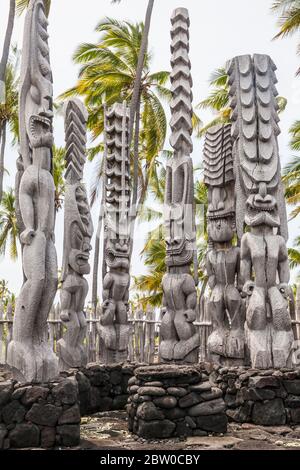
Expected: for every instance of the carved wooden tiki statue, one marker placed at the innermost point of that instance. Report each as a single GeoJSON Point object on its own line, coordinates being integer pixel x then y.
{"type": "Point", "coordinates": [180, 340]}
{"type": "Point", "coordinates": [261, 207]}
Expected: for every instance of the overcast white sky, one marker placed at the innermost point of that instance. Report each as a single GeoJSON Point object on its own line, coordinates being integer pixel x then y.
{"type": "Point", "coordinates": [219, 31]}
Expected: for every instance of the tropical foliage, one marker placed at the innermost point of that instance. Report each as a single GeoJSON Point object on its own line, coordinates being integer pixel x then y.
{"type": "Point", "coordinates": [291, 179]}
{"type": "Point", "coordinates": [9, 109]}
{"type": "Point", "coordinates": [8, 225]}
{"type": "Point", "coordinates": [6, 296]}
{"type": "Point", "coordinates": [289, 18]}
{"type": "Point", "coordinates": [58, 175]}
{"type": "Point", "coordinates": [23, 4]}
{"type": "Point", "coordinates": [107, 75]}
{"type": "Point", "coordinates": [218, 100]}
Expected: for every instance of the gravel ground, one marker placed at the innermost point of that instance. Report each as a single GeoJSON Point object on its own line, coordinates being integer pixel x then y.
{"type": "Point", "coordinates": [109, 431]}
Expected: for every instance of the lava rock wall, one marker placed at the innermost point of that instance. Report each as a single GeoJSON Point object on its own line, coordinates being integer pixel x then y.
{"type": "Point", "coordinates": [269, 397]}
{"type": "Point", "coordinates": [39, 415]}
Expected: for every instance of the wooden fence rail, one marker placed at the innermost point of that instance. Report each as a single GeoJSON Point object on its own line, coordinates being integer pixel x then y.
{"type": "Point", "coordinates": [144, 337]}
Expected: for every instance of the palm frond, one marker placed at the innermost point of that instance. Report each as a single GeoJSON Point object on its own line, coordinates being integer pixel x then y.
{"type": "Point", "coordinates": [23, 4]}
{"type": "Point", "coordinates": [294, 257]}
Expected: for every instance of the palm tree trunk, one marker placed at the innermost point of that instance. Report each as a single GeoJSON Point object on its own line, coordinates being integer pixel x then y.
{"type": "Point", "coordinates": [2, 152]}
{"type": "Point", "coordinates": [6, 48]}
{"type": "Point", "coordinates": [136, 168]}
{"type": "Point", "coordinates": [134, 105]}
{"type": "Point", "coordinates": [96, 260]}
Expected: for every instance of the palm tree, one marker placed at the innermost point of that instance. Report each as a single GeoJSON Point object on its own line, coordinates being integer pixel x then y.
{"type": "Point", "coordinates": [294, 132]}
{"type": "Point", "coordinates": [294, 256]}
{"type": "Point", "coordinates": [135, 103]}
{"type": "Point", "coordinates": [8, 224]}
{"type": "Point", "coordinates": [218, 100]}
{"type": "Point", "coordinates": [291, 180]}
{"type": "Point", "coordinates": [6, 49]}
{"type": "Point", "coordinates": [291, 172]}
{"type": "Point", "coordinates": [8, 110]}
{"type": "Point", "coordinates": [108, 75]}
{"type": "Point", "coordinates": [58, 170]}
{"type": "Point", "coordinates": [289, 18]}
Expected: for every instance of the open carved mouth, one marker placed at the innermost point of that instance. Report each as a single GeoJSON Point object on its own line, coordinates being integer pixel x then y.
{"type": "Point", "coordinates": [215, 215]}
{"type": "Point", "coordinates": [115, 260]}
{"type": "Point", "coordinates": [266, 216]}
{"type": "Point", "coordinates": [41, 130]}
{"type": "Point", "coordinates": [257, 203]}
{"type": "Point", "coordinates": [82, 259]}
{"type": "Point", "coordinates": [175, 245]}
{"type": "Point", "coordinates": [113, 254]}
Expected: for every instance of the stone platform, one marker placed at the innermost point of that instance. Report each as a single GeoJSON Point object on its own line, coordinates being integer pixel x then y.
{"type": "Point", "coordinates": [173, 401]}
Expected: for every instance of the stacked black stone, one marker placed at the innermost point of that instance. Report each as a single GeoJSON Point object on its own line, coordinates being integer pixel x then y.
{"type": "Point", "coordinates": [44, 415]}
{"type": "Point", "coordinates": [262, 397]}
{"type": "Point", "coordinates": [172, 401]}
{"type": "Point", "coordinates": [103, 387]}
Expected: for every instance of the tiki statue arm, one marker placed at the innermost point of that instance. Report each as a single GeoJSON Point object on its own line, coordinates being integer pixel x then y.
{"type": "Point", "coordinates": [283, 264]}
{"type": "Point", "coordinates": [65, 301]}
{"type": "Point", "coordinates": [246, 266]}
{"type": "Point", "coordinates": [210, 272]}
{"type": "Point", "coordinates": [27, 209]}
{"type": "Point", "coordinates": [191, 298]}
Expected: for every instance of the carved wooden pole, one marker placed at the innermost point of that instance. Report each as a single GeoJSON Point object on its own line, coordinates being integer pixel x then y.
{"type": "Point", "coordinates": [261, 206]}
{"type": "Point", "coordinates": [29, 353]}
{"type": "Point", "coordinates": [297, 313]}
{"type": "Point", "coordinates": [114, 327]}
{"type": "Point", "coordinates": [226, 343]}
{"type": "Point", "coordinates": [180, 340]}
{"type": "Point", "coordinates": [78, 230]}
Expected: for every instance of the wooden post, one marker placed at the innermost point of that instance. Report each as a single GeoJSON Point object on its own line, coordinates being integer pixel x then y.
{"type": "Point", "coordinates": [202, 330]}
{"type": "Point", "coordinates": [9, 317]}
{"type": "Point", "coordinates": [297, 313]}
{"type": "Point", "coordinates": [94, 332]}
{"type": "Point", "coordinates": [139, 335]}
{"type": "Point", "coordinates": [88, 334]}
{"type": "Point", "coordinates": [159, 335]}
{"type": "Point", "coordinates": [58, 325]}
{"type": "Point", "coordinates": [98, 313]}
{"type": "Point", "coordinates": [2, 335]}
{"type": "Point", "coordinates": [131, 357]}
{"type": "Point", "coordinates": [149, 335]}
{"type": "Point", "coordinates": [51, 327]}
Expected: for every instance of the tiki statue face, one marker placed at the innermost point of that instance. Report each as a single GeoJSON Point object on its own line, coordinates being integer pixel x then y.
{"type": "Point", "coordinates": [79, 230]}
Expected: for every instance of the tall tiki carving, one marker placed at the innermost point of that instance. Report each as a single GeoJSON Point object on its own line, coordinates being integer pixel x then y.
{"type": "Point", "coordinates": [78, 230]}
{"type": "Point", "coordinates": [261, 207]}
{"type": "Point", "coordinates": [226, 344]}
{"type": "Point", "coordinates": [114, 328]}
{"type": "Point", "coordinates": [180, 340]}
{"type": "Point", "coordinates": [29, 353]}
